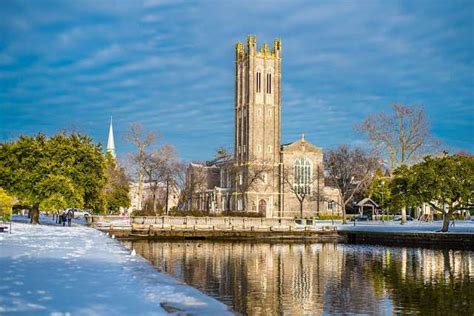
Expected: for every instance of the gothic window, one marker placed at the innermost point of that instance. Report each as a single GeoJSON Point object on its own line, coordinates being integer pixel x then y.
{"type": "Point", "coordinates": [269, 148]}
{"type": "Point", "coordinates": [302, 173]}
{"type": "Point", "coordinates": [241, 179]}
{"type": "Point", "coordinates": [259, 82]}
{"type": "Point", "coordinates": [269, 83]}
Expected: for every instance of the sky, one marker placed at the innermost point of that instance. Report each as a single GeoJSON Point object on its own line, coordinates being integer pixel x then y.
{"type": "Point", "coordinates": [169, 65]}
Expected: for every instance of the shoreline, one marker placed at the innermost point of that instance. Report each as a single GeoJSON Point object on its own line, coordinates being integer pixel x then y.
{"type": "Point", "coordinates": [384, 233]}
{"type": "Point", "coordinates": [79, 270]}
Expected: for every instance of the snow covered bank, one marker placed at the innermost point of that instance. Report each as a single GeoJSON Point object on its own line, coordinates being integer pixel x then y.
{"type": "Point", "coordinates": [465, 227]}
{"type": "Point", "coordinates": [79, 270]}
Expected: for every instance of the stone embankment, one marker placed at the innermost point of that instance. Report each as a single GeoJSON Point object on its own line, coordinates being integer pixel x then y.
{"type": "Point", "coordinates": [285, 229]}
{"type": "Point", "coordinates": [215, 228]}
{"type": "Point", "coordinates": [411, 234]}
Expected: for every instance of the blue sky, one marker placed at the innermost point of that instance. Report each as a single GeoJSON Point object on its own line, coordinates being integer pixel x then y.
{"type": "Point", "coordinates": [169, 66]}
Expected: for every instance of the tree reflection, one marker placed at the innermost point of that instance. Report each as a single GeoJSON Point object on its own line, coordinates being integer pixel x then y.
{"type": "Point", "coordinates": [279, 278]}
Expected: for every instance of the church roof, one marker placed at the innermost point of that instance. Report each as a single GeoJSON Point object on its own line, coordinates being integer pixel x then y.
{"type": "Point", "coordinates": [367, 201]}
{"type": "Point", "coordinates": [296, 145]}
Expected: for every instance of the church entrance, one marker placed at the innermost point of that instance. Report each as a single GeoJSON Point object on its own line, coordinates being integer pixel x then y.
{"type": "Point", "coordinates": [262, 206]}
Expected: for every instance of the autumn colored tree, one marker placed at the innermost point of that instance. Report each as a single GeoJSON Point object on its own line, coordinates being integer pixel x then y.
{"type": "Point", "coordinates": [6, 204]}
{"type": "Point", "coordinates": [117, 188]}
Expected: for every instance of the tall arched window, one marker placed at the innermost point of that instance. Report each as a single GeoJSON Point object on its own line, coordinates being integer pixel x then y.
{"type": "Point", "coordinates": [303, 172]}
{"type": "Point", "coordinates": [269, 83]}
{"type": "Point", "coordinates": [259, 82]}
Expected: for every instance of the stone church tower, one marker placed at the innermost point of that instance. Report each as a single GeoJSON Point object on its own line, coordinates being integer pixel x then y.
{"type": "Point", "coordinates": [257, 126]}
{"type": "Point", "coordinates": [265, 176]}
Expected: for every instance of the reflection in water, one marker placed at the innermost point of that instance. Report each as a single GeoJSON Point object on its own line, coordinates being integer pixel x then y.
{"type": "Point", "coordinates": [292, 279]}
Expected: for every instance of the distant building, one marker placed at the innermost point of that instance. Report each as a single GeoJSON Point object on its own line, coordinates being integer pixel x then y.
{"type": "Point", "coordinates": [147, 196]}
{"type": "Point", "coordinates": [110, 141]}
{"type": "Point", "coordinates": [263, 175]}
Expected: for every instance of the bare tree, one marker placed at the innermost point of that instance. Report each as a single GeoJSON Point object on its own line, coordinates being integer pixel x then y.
{"type": "Point", "coordinates": [303, 185]}
{"type": "Point", "coordinates": [351, 170]}
{"type": "Point", "coordinates": [161, 169]}
{"type": "Point", "coordinates": [250, 177]}
{"type": "Point", "coordinates": [142, 140]}
{"type": "Point", "coordinates": [170, 167]}
{"type": "Point", "coordinates": [195, 180]}
{"type": "Point", "coordinates": [402, 136]}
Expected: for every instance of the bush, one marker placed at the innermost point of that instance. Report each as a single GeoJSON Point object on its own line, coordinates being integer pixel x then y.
{"type": "Point", "coordinates": [146, 213]}
{"type": "Point", "coordinates": [194, 213]}
{"type": "Point", "coordinates": [324, 217]}
{"type": "Point", "coordinates": [241, 214]}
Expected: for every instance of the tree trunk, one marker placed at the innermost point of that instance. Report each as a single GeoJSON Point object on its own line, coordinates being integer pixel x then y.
{"type": "Point", "coordinates": [167, 196]}
{"type": "Point", "coordinates": [403, 220]}
{"type": "Point", "coordinates": [154, 201]}
{"type": "Point", "coordinates": [34, 218]}
{"type": "Point", "coordinates": [301, 208]}
{"type": "Point", "coordinates": [344, 220]}
{"type": "Point", "coordinates": [447, 217]}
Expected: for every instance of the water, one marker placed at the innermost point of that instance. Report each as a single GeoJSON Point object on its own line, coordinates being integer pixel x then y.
{"type": "Point", "coordinates": [328, 278]}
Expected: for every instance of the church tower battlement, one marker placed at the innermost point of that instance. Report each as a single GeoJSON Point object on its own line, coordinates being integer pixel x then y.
{"type": "Point", "coordinates": [257, 101]}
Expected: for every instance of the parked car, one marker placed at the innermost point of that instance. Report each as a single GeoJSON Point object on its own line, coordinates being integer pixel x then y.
{"type": "Point", "coordinates": [78, 213]}
{"type": "Point", "coordinates": [398, 218]}
{"type": "Point", "coordinates": [360, 218]}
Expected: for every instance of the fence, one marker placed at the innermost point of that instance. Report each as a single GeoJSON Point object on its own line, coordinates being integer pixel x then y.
{"type": "Point", "coordinates": [174, 223]}
{"type": "Point", "coordinates": [211, 221]}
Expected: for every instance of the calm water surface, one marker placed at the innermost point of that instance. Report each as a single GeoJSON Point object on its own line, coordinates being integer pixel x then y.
{"type": "Point", "coordinates": [295, 279]}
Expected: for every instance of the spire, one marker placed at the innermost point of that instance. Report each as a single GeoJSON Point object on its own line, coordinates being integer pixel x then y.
{"type": "Point", "coordinates": [302, 137]}
{"type": "Point", "coordinates": [110, 142]}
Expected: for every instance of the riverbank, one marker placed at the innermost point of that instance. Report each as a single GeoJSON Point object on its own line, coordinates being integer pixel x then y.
{"type": "Point", "coordinates": [415, 233]}
{"type": "Point", "coordinates": [48, 269]}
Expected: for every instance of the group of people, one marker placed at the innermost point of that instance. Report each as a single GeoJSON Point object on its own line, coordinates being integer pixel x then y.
{"type": "Point", "coordinates": [64, 217]}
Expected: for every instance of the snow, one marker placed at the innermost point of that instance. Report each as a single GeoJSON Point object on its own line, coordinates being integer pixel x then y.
{"type": "Point", "coordinates": [464, 227]}
{"type": "Point", "coordinates": [55, 270]}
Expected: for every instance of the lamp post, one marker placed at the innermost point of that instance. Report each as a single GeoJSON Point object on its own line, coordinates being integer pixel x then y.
{"type": "Point", "coordinates": [332, 211]}
{"type": "Point", "coordinates": [382, 183]}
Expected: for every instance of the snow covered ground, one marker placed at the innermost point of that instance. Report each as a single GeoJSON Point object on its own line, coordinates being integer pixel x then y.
{"type": "Point", "coordinates": [55, 270]}
{"type": "Point", "coordinates": [409, 227]}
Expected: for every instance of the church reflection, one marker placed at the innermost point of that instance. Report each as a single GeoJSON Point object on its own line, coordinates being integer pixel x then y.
{"type": "Point", "coordinates": [295, 279]}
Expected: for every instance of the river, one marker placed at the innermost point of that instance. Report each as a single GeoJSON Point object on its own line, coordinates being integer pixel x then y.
{"type": "Point", "coordinates": [320, 278]}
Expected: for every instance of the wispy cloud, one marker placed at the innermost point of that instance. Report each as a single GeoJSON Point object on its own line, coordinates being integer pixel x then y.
{"type": "Point", "coordinates": [169, 65]}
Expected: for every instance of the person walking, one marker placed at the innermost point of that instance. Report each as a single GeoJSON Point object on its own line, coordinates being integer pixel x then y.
{"type": "Point", "coordinates": [70, 214]}
{"type": "Point", "coordinates": [64, 218]}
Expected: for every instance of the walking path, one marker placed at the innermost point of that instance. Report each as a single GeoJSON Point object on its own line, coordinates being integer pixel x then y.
{"type": "Point", "coordinates": [55, 270]}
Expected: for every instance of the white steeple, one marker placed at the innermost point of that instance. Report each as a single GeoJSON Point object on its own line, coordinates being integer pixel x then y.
{"type": "Point", "coordinates": [110, 142]}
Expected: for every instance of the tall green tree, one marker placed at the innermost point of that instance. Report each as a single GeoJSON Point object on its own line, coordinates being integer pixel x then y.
{"type": "Point", "coordinates": [117, 188]}
{"type": "Point", "coordinates": [445, 183]}
{"type": "Point", "coordinates": [34, 168]}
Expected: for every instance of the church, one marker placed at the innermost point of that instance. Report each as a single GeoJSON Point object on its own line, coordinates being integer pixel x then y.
{"type": "Point", "coordinates": [264, 176]}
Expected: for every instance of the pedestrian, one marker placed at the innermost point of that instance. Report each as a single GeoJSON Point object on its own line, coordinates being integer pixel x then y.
{"type": "Point", "coordinates": [452, 223]}
{"type": "Point", "coordinates": [70, 214]}
{"type": "Point", "coordinates": [64, 218]}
